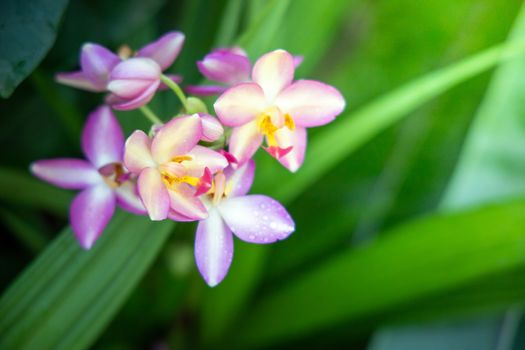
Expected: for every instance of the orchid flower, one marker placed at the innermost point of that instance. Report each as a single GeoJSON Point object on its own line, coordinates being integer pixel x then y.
{"type": "Point", "coordinates": [172, 169]}
{"type": "Point", "coordinates": [102, 177]}
{"type": "Point", "coordinates": [276, 108]}
{"type": "Point", "coordinates": [98, 64]}
{"type": "Point", "coordinates": [228, 67]}
{"type": "Point", "coordinates": [252, 218]}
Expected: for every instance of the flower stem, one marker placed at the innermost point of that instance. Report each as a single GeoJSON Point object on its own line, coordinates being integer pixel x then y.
{"type": "Point", "coordinates": [176, 89]}
{"type": "Point", "coordinates": [150, 115]}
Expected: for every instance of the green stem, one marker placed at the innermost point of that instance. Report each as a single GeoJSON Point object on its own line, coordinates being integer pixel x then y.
{"type": "Point", "coordinates": [150, 115]}
{"type": "Point", "coordinates": [176, 89]}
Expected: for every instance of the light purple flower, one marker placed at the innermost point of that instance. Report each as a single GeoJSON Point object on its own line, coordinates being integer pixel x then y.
{"type": "Point", "coordinates": [97, 64]}
{"type": "Point", "coordinates": [275, 107]}
{"type": "Point", "coordinates": [172, 169]}
{"type": "Point", "coordinates": [228, 67]}
{"type": "Point", "coordinates": [102, 177]}
{"type": "Point", "coordinates": [252, 218]}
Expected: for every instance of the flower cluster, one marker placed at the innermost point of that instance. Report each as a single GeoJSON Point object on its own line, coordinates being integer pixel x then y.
{"type": "Point", "coordinates": [180, 170]}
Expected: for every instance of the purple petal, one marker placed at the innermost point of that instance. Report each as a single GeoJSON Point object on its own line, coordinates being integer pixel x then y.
{"type": "Point", "coordinates": [213, 248]}
{"type": "Point", "coordinates": [274, 71]}
{"type": "Point", "coordinates": [184, 202]}
{"type": "Point", "coordinates": [97, 62]}
{"type": "Point", "coordinates": [177, 137]}
{"type": "Point", "coordinates": [225, 67]}
{"type": "Point", "coordinates": [311, 103]}
{"type": "Point", "coordinates": [245, 141]}
{"type": "Point", "coordinates": [212, 129]}
{"type": "Point", "coordinates": [297, 60]}
{"type": "Point", "coordinates": [240, 180]}
{"type": "Point", "coordinates": [257, 218]}
{"type": "Point", "coordinates": [128, 198]}
{"type": "Point", "coordinates": [102, 138]}
{"type": "Point", "coordinates": [78, 80]}
{"type": "Point", "coordinates": [68, 173]}
{"type": "Point", "coordinates": [240, 104]}
{"type": "Point", "coordinates": [154, 194]}
{"type": "Point", "coordinates": [173, 215]}
{"type": "Point", "coordinates": [205, 90]}
{"type": "Point", "coordinates": [164, 50]}
{"type": "Point", "coordinates": [137, 154]}
{"type": "Point", "coordinates": [90, 212]}
{"type": "Point", "coordinates": [295, 139]}
{"type": "Point", "coordinates": [122, 104]}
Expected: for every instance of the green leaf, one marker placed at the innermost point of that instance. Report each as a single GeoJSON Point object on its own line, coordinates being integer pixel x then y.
{"type": "Point", "coordinates": [414, 260]}
{"type": "Point", "coordinates": [68, 295]}
{"type": "Point", "coordinates": [21, 188]}
{"type": "Point", "coordinates": [27, 31]}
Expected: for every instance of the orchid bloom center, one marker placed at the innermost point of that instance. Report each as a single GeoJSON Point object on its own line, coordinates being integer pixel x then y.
{"type": "Point", "coordinates": [174, 173]}
{"type": "Point", "coordinates": [268, 123]}
{"type": "Point", "coordinates": [113, 174]}
{"type": "Point", "coordinates": [220, 188]}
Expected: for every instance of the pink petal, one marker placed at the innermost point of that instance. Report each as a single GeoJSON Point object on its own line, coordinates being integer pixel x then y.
{"type": "Point", "coordinates": [213, 248]}
{"type": "Point", "coordinates": [90, 212]}
{"type": "Point", "coordinates": [154, 194]}
{"type": "Point", "coordinates": [97, 62]}
{"type": "Point", "coordinates": [225, 67]}
{"type": "Point", "coordinates": [78, 80]}
{"type": "Point", "coordinates": [297, 60]}
{"type": "Point", "coordinates": [137, 154]}
{"type": "Point", "coordinates": [274, 72]}
{"type": "Point", "coordinates": [240, 180]}
{"type": "Point", "coordinates": [184, 202]}
{"type": "Point", "coordinates": [245, 141]}
{"type": "Point", "coordinates": [121, 104]}
{"type": "Point", "coordinates": [240, 104]}
{"type": "Point", "coordinates": [204, 158]}
{"type": "Point", "coordinates": [311, 103]}
{"type": "Point", "coordinates": [173, 215]}
{"type": "Point", "coordinates": [295, 139]}
{"type": "Point", "coordinates": [177, 137]}
{"type": "Point", "coordinates": [210, 90]}
{"type": "Point", "coordinates": [164, 50]}
{"type": "Point", "coordinates": [212, 129]}
{"type": "Point", "coordinates": [69, 173]}
{"type": "Point", "coordinates": [128, 198]}
{"type": "Point", "coordinates": [102, 138]}
{"type": "Point", "coordinates": [257, 218]}
{"type": "Point", "coordinates": [136, 69]}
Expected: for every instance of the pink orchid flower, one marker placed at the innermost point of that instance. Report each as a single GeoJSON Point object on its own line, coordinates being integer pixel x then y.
{"type": "Point", "coordinates": [97, 64]}
{"type": "Point", "coordinates": [102, 177]}
{"type": "Point", "coordinates": [252, 218]}
{"type": "Point", "coordinates": [228, 67]}
{"type": "Point", "coordinates": [275, 107]}
{"type": "Point", "coordinates": [172, 169]}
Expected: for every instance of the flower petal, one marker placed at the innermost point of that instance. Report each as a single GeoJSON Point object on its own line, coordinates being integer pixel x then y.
{"type": "Point", "coordinates": [102, 138]}
{"type": "Point", "coordinates": [177, 137]}
{"type": "Point", "coordinates": [128, 198]}
{"type": "Point", "coordinates": [213, 248]}
{"type": "Point", "coordinates": [137, 154]}
{"type": "Point", "coordinates": [78, 80]}
{"type": "Point", "coordinates": [164, 50]}
{"type": "Point", "coordinates": [204, 158]}
{"type": "Point", "coordinates": [240, 104]}
{"type": "Point", "coordinates": [212, 129]}
{"type": "Point", "coordinates": [205, 90]}
{"type": "Point", "coordinates": [173, 215]}
{"type": "Point", "coordinates": [257, 218]}
{"type": "Point", "coordinates": [226, 67]}
{"type": "Point", "coordinates": [295, 139]}
{"type": "Point", "coordinates": [244, 141]}
{"type": "Point", "coordinates": [90, 212]}
{"type": "Point", "coordinates": [68, 173]}
{"type": "Point", "coordinates": [97, 62]}
{"type": "Point", "coordinates": [123, 104]}
{"type": "Point", "coordinates": [297, 60]}
{"type": "Point", "coordinates": [184, 202]}
{"type": "Point", "coordinates": [154, 194]}
{"type": "Point", "coordinates": [311, 103]}
{"type": "Point", "coordinates": [274, 72]}
{"type": "Point", "coordinates": [240, 180]}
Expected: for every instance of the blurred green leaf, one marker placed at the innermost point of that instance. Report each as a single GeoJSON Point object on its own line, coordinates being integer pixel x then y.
{"type": "Point", "coordinates": [229, 23]}
{"type": "Point", "coordinates": [430, 256]}
{"type": "Point", "coordinates": [27, 31]}
{"type": "Point", "coordinates": [68, 295]}
{"type": "Point", "coordinates": [21, 188]}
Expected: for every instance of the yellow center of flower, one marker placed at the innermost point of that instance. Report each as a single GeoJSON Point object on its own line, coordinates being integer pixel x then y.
{"type": "Point", "coordinates": [220, 188]}
{"type": "Point", "coordinates": [270, 121]}
{"type": "Point", "coordinates": [172, 172]}
{"type": "Point", "coordinates": [112, 174]}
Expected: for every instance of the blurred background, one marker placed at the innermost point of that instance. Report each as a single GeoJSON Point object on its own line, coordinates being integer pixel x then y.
{"type": "Point", "coordinates": [413, 239]}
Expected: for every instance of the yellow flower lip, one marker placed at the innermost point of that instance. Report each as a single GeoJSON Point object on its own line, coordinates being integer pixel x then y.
{"type": "Point", "coordinates": [271, 121]}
